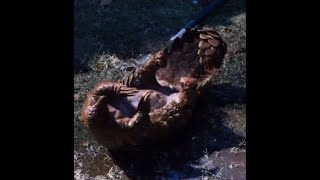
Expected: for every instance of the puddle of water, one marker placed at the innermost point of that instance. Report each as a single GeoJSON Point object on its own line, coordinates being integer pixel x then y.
{"type": "Point", "coordinates": [226, 164]}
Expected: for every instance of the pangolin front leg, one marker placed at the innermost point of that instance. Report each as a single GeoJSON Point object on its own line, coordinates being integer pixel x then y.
{"type": "Point", "coordinates": [145, 76]}
{"type": "Point", "coordinates": [142, 113]}
{"type": "Point", "coordinates": [94, 111]}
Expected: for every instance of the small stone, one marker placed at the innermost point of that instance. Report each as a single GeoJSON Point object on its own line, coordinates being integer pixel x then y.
{"type": "Point", "coordinates": [76, 97]}
{"type": "Point", "coordinates": [100, 177]}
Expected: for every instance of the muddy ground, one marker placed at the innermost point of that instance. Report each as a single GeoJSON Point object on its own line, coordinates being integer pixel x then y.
{"type": "Point", "coordinates": [122, 34]}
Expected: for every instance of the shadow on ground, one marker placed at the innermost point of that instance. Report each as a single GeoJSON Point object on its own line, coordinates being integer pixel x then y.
{"type": "Point", "coordinates": [207, 148]}
{"type": "Point", "coordinates": [128, 28]}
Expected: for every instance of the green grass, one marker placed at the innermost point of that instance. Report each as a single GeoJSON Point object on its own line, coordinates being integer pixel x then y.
{"type": "Point", "coordinates": [108, 39]}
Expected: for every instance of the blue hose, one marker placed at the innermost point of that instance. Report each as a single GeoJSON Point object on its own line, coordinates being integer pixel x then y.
{"type": "Point", "coordinates": [215, 4]}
